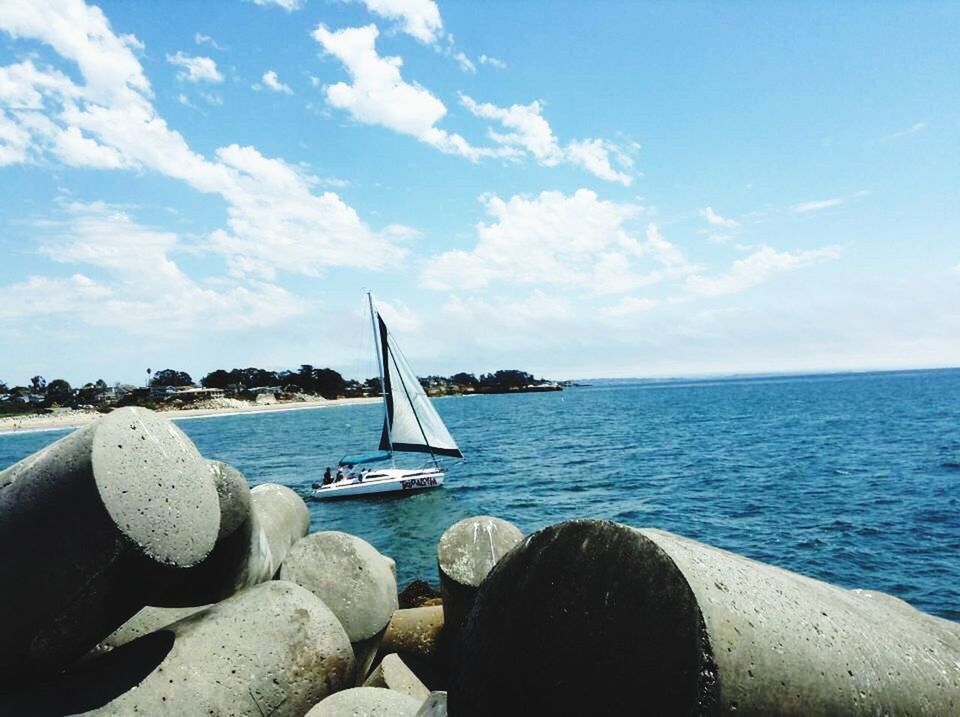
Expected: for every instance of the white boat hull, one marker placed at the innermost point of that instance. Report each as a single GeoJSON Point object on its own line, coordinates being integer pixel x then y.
{"type": "Point", "coordinates": [390, 480]}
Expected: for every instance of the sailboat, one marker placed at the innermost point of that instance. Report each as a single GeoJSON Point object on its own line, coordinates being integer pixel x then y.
{"type": "Point", "coordinates": [410, 425]}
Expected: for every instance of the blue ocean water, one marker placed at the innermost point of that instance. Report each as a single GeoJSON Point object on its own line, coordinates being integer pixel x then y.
{"type": "Point", "coordinates": [850, 478]}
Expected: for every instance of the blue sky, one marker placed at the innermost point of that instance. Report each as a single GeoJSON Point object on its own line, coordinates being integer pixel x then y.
{"type": "Point", "coordinates": [602, 189]}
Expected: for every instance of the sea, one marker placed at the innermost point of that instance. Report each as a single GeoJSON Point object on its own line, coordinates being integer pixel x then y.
{"type": "Point", "coordinates": [850, 478]}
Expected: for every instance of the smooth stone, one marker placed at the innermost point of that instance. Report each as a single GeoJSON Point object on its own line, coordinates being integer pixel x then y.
{"type": "Point", "coordinates": [466, 553]}
{"type": "Point", "coordinates": [366, 702]}
{"type": "Point", "coordinates": [785, 643]}
{"type": "Point", "coordinates": [282, 518]}
{"type": "Point", "coordinates": [349, 575]}
{"type": "Point", "coordinates": [394, 675]}
{"type": "Point", "coordinates": [274, 649]}
{"type": "Point", "coordinates": [434, 706]}
{"type": "Point", "coordinates": [90, 527]}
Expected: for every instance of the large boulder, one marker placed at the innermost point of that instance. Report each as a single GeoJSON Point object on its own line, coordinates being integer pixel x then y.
{"type": "Point", "coordinates": [590, 617]}
{"type": "Point", "coordinates": [281, 519]}
{"type": "Point", "coordinates": [367, 702]}
{"type": "Point", "coordinates": [274, 649]}
{"type": "Point", "coordinates": [355, 581]}
{"type": "Point", "coordinates": [90, 527]}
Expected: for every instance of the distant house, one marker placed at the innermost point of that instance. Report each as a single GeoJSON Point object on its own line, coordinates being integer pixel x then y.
{"type": "Point", "coordinates": [263, 390]}
{"type": "Point", "coordinates": [190, 393]}
{"type": "Point", "coordinates": [162, 392]}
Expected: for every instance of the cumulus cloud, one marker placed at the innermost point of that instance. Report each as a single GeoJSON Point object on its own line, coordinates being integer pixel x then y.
{"type": "Point", "coordinates": [418, 18]}
{"type": "Point", "coordinates": [143, 286]}
{"type": "Point", "coordinates": [201, 39]}
{"type": "Point", "coordinates": [716, 220]}
{"type": "Point", "coordinates": [272, 82]}
{"type": "Point", "coordinates": [276, 221]}
{"type": "Point", "coordinates": [195, 69]}
{"type": "Point", "coordinates": [378, 95]}
{"type": "Point", "coordinates": [757, 268]}
{"type": "Point", "coordinates": [493, 62]}
{"type": "Point", "coordinates": [553, 239]}
{"type": "Point", "coordinates": [531, 133]}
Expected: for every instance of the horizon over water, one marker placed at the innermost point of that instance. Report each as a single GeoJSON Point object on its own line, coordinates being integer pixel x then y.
{"type": "Point", "coordinates": [852, 478]}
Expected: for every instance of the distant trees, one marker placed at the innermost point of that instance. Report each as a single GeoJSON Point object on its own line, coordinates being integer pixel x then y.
{"type": "Point", "coordinates": [509, 379]}
{"type": "Point", "coordinates": [59, 392]}
{"type": "Point", "coordinates": [246, 377]}
{"type": "Point", "coordinates": [464, 379]}
{"type": "Point", "coordinates": [170, 377]}
{"type": "Point", "coordinates": [38, 384]}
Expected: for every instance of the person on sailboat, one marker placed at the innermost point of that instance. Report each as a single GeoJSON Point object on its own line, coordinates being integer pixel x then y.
{"type": "Point", "coordinates": [327, 477]}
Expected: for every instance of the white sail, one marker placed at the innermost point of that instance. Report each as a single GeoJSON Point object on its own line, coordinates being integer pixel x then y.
{"type": "Point", "coordinates": [411, 422]}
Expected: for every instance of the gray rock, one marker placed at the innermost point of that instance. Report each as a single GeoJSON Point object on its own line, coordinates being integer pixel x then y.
{"type": "Point", "coordinates": [434, 706]}
{"type": "Point", "coordinates": [274, 649]}
{"type": "Point", "coordinates": [691, 630]}
{"type": "Point", "coordinates": [282, 518]}
{"type": "Point", "coordinates": [394, 675]}
{"type": "Point", "coordinates": [349, 575]}
{"type": "Point", "coordinates": [466, 553]}
{"type": "Point", "coordinates": [90, 526]}
{"type": "Point", "coordinates": [149, 619]}
{"type": "Point", "coordinates": [366, 702]}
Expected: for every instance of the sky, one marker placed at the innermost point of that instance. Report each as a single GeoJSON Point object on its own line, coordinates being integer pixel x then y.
{"type": "Point", "coordinates": [573, 189]}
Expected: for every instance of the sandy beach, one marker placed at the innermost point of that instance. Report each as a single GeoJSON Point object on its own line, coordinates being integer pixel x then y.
{"type": "Point", "coordinates": [75, 419]}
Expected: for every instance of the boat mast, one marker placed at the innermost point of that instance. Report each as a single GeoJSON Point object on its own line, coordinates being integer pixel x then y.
{"type": "Point", "coordinates": [383, 385]}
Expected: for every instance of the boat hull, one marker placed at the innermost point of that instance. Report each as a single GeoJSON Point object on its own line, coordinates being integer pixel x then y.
{"type": "Point", "coordinates": [392, 480]}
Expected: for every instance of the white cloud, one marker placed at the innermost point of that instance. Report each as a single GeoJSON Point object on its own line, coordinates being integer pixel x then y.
{"type": "Point", "coordinates": [275, 220]}
{"type": "Point", "coordinates": [532, 133]}
{"type": "Point", "coordinates": [817, 205]}
{"type": "Point", "coordinates": [629, 306]}
{"type": "Point", "coordinates": [493, 62]}
{"type": "Point", "coordinates": [378, 94]}
{"type": "Point", "coordinates": [288, 5]}
{"type": "Point", "coordinates": [201, 39]}
{"type": "Point", "coordinates": [273, 82]}
{"type": "Point", "coordinates": [594, 156]}
{"type": "Point", "coordinates": [195, 69]}
{"type": "Point", "coordinates": [144, 288]}
{"type": "Point", "coordinates": [553, 239]}
{"type": "Point", "coordinates": [913, 129]}
{"type": "Point", "coordinates": [716, 220]}
{"type": "Point", "coordinates": [511, 314]}
{"type": "Point", "coordinates": [418, 18]}
{"type": "Point", "coordinates": [757, 268]}
{"type": "Point", "coordinates": [465, 63]}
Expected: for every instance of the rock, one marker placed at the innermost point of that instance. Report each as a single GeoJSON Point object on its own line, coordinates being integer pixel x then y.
{"type": "Point", "coordinates": [467, 551]}
{"type": "Point", "coordinates": [349, 575]}
{"type": "Point", "coordinates": [418, 594]}
{"type": "Point", "coordinates": [416, 631]}
{"type": "Point", "coordinates": [281, 519]}
{"type": "Point", "coordinates": [147, 620]}
{"type": "Point", "coordinates": [394, 675]}
{"type": "Point", "coordinates": [615, 615]}
{"type": "Point", "coordinates": [366, 702]}
{"type": "Point", "coordinates": [365, 654]}
{"type": "Point", "coordinates": [784, 643]}
{"type": "Point", "coordinates": [434, 706]}
{"type": "Point", "coordinates": [89, 527]}
{"type": "Point", "coordinates": [274, 649]}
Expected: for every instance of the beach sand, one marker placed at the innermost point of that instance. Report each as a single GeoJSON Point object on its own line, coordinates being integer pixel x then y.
{"type": "Point", "coordinates": [75, 419]}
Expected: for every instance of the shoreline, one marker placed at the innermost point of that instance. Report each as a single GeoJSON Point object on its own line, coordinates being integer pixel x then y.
{"type": "Point", "coordinates": [38, 423]}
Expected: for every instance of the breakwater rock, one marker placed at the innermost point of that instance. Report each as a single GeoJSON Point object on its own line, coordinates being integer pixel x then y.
{"type": "Point", "coordinates": [137, 577]}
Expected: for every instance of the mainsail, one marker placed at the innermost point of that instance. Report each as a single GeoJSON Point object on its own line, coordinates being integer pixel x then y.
{"type": "Point", "coordinates": [411, 422]}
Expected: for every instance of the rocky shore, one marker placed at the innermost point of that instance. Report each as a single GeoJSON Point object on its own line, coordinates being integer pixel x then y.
{"type": "Point", "coordinates": [140, 578]}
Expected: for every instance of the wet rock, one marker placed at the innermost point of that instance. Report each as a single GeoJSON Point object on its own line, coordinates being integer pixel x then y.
{"type": "Point", "coordinates": [467, 551]}
{"type": "Point", "coordinates": [392, 674]}
{"type": "Point", "coordinates": [366, 702]}
{"type": "Point", "coordinates": [434, 706]}
{"type": "Point", "coordinates": [90, 527]}
{"type": "Point", "coordinates": [612, 613]}
{"type": "Point", "coordinates": [274, 649]}
{"type": "Point", "coordinates": [355, 581]}
{"type": "Point", "coordinates": [419, 594]}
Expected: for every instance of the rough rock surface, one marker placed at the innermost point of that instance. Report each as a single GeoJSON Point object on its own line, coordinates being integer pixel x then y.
{"type": "Point", "coordinates": [366, 702]}
{"type": "Point", "coordinates": [349, 575]}
{"type": "Point", "coordinates": [434, 706]}
{"type": "Point", "coordinates": [416, 631]}
{"type": "Point", "coordinates": [89, 525]}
